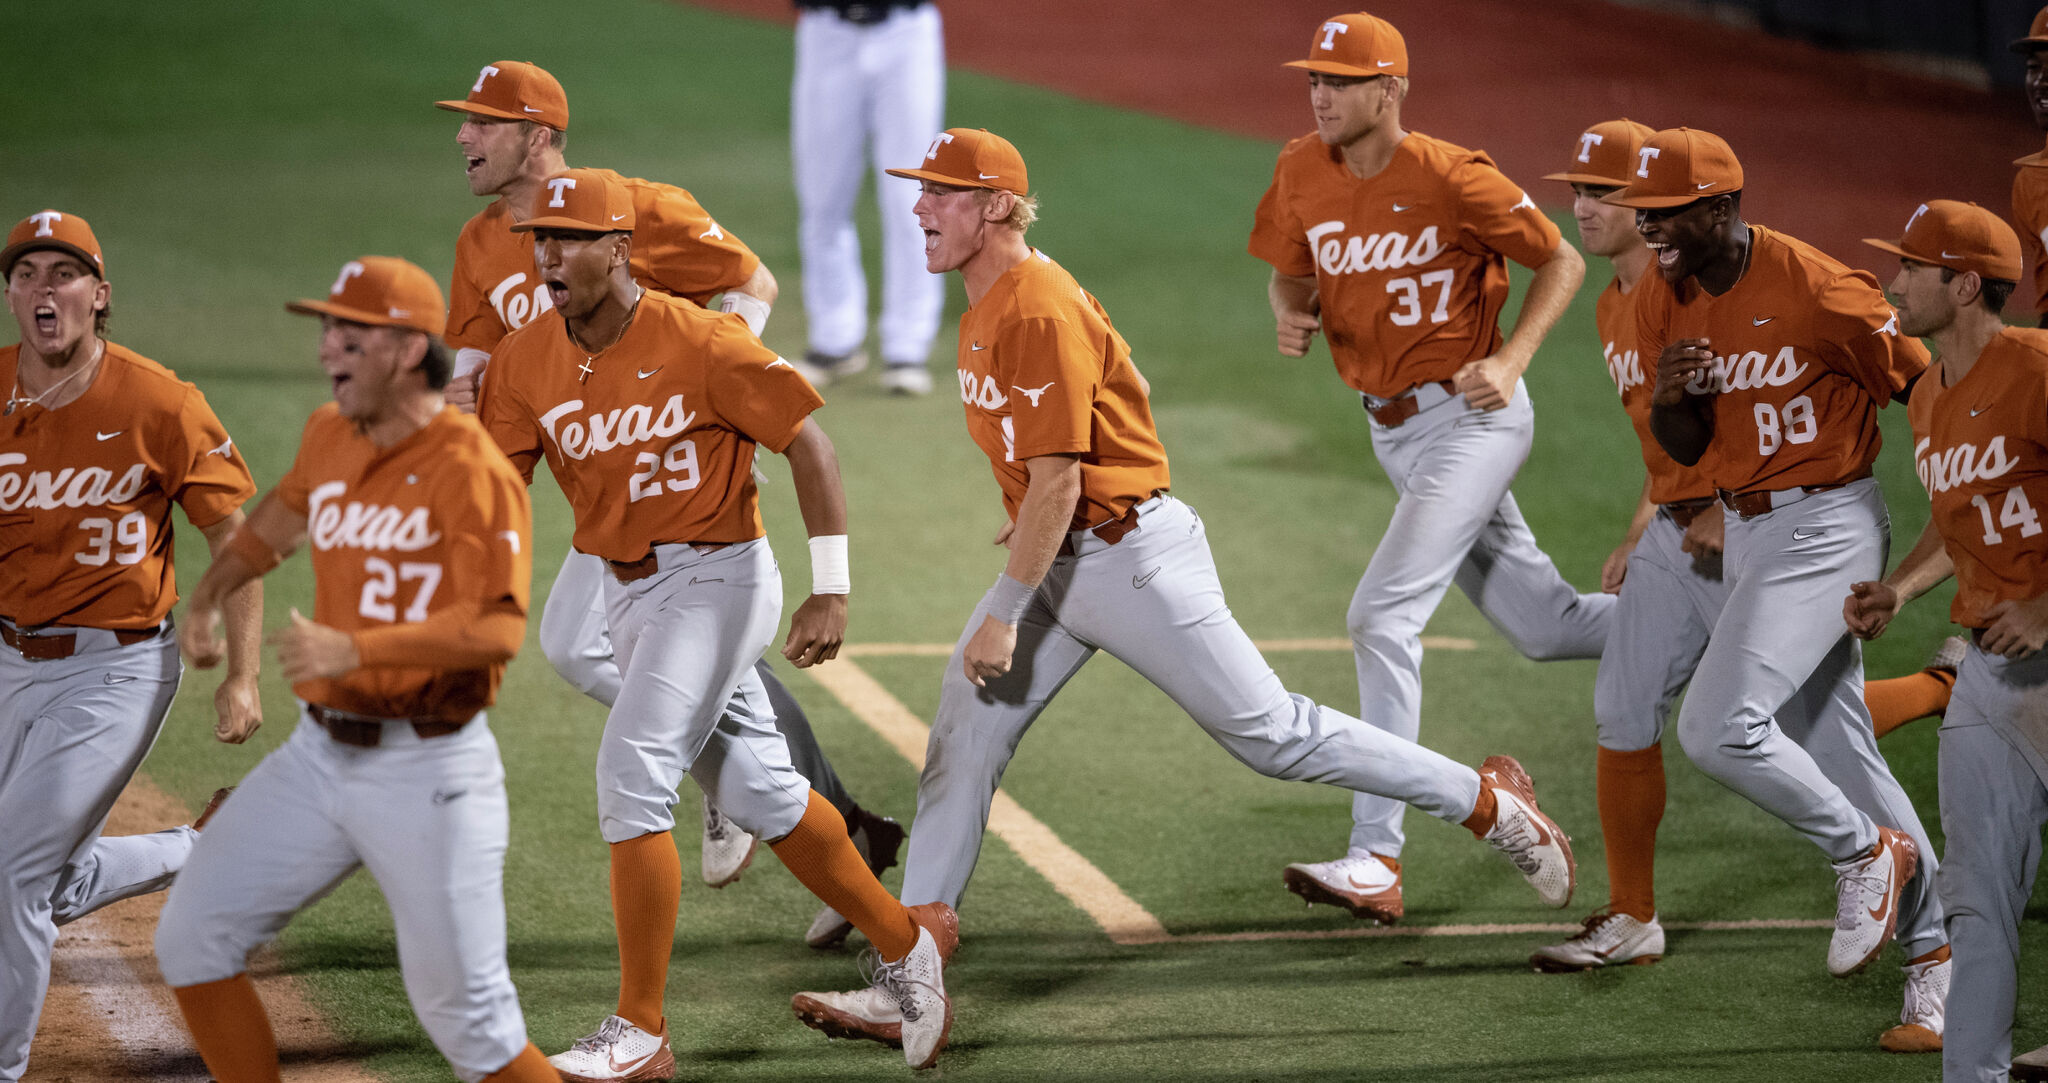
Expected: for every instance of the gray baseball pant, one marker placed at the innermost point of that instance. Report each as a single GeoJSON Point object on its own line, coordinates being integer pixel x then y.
{"type": "Point", "coordinates": [1776, 709]}
{"type": "Point", "coordinates": [72, 733]}
{"type": "Point", "coordinates": [1994, 801]}
{"type": "Point", "coordinates": [1661, 621]}
{"type": "Point", "coordinates": [578, 643]}
{"type": "Point", "coordinates": [1454, 521]}
{"type": "Point", "coordinates": [1153, 601]}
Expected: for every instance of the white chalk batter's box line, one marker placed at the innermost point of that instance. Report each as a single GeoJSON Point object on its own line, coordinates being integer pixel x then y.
{"type": "Point", "coordinates": [1117, 914]}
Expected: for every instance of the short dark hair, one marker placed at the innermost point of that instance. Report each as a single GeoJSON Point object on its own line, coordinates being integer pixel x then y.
{"type": "Point", "coordinates": [438, 365]}
{"type": "Point", "coordinates": [557, 138]}
{"type": "Point", "coordinates": [1992, 293]}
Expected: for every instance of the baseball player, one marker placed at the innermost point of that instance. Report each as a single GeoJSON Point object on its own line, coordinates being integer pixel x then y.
{"type": "Point", "coordinates": [870, 86]}
{"type": "Point", "coordinates": [97, 443]}
{"type": "Point", "coordinates": [1772, 361]}
{"type": "Point", "coordinates": [1667, 575]}
{"type": "Point", "coordinates": [2030, 184]}
{"type": "Point", "coordinates": [648, 410]}
{"type": "Point", "coordinates": [421, 537]}
{"type": "Point", "coordinates": [1396, 245]}
{"type": "Point", "coordinates": [514, 130]}
{"type": "Point", "coordinates": [1102, 557]}
{"type": "Point", "coordinates": [1980, 443]}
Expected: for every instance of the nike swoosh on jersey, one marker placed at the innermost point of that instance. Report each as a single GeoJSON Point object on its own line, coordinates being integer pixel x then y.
{"type": "Point", "coordinates": [977, 347]}
{"type": "Point", "coordinates": [1402, 208]}
{"type": "Point", "coordinates": [98, 435]}
{"type": "Point", "coordinates": [644, 375]}
{"type": "Point", "coordinates": [1975, 410]}
{"type": "Point", "coordinates": [1756, 321]}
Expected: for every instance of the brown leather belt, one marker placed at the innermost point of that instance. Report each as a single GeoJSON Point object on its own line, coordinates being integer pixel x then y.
{"type": "Point", "coordinates": [55, 648]}
{"type": "Point", "coordinates": [1110, 532]}
{"type": "Point", "coordinates": [1683, 512]}
{"type": "Point", "coordinates": [632, 571]}
{"type": "Point", "coordinates": [1392, 413]}
{"type": "Point", "coordinates": [363, 731]}
{"type": "Point", "coordinates": [1756, 502]}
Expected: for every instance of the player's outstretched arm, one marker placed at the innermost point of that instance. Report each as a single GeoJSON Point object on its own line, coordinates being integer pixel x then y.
{"type": "Point", "coordinates": [1042, 520]}
{"type": "Point", "coordinates": [1870, 606]}
{"type": "Point", "coordinates": [1296, 311]}
{"type": "Point", "coordinates": [243, 550]}
{"type": "Point", "coordinates": [819, 625]}
{"type": "Point", "coordinates": [1489, 383]}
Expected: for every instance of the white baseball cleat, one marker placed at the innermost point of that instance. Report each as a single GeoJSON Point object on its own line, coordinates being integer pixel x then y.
{"type": "Point", "coordinates": [1920, 1021]}
{"type": "Point", "coordinates": [1522, 832]}
{"type": "Point", "coordinates": [1949, 655]}
{"type": "Point", "coordinates": [907, 380]}
{"type": "Point", "coordinates": [617, 1052]}
{"type": "Point", "coordinates": [1368, 885]}
{"type": "Point", "coordinates": [915, 985]}
{"type": "Point", "coordinates": [727, 849]}
{"type": "Point", "coordinates": [1607, 939]}
{"type": "Point", "coordinates": [1867, 901]}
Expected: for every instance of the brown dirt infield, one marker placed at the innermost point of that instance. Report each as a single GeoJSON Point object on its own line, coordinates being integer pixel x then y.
{"type": "Point", "coordinates": [1835, 147]}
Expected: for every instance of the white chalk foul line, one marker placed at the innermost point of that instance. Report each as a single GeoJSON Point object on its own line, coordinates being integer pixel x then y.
{"type": "Point", "coordinates": [107, 975]}
{"type": "Point", "coordinates": [945, 650]}
{"type": "Point", "coordinates": [1087, 887]}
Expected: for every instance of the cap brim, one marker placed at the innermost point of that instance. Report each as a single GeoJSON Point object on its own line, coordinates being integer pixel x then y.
{"type": "Point", "coordinates": [1587, 178]}
{"type": "Point", "coordinates": [1894, 249]}
{"type": "Point", "coordinates": [344, 312]}
{"type": "Point", "coordinates": [578, 224]}
{"type": "Point", "coordinates": [2028, 45]}
{"type": "Point", "coordinates": [1331, 67]}
{"type": "Point", "coordinates": [941, 178]}
{"type": "Point", "coordinates": [487, 111]}
{"type": "Point", "coordinates": [14, 252]}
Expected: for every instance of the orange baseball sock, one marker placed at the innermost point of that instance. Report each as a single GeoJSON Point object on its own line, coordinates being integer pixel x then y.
{"type": "Point", "coordinates": [821, 855]}
{"type": "Point", "coordinates": [1900, 700]}
{"type": "Point", "coordinates": [1484, 812]}
{"type": "Point", "coordinates": [530, 1066]}
{"type": "Point", "coordinates": [1630, 793]}
{"type": "Point", "coordinates": [230, 1028]}
{"type": "Point", "coordinates": [647, 889]}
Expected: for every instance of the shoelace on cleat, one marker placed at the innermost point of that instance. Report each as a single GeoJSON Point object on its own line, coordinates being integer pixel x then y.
{"type": "Point", "coordinates": [608, 1033]}
{"type": "Point", "coordinates": [1848, 904]}
{"type": "Point", "coordinates": [1517, 841]}
{"type": "Point", "coordinates": [894, 979]}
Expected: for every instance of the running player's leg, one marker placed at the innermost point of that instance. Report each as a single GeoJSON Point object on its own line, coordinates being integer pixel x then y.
{"type": "Point", "coordinates": [1518, 589]}
{"type": "Point", "coordinates": [573, 631]}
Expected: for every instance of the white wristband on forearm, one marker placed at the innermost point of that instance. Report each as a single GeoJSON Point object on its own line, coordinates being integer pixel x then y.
{"type": "Point", "coordinates": [751, 309]}
{"type": "Point", "coordinates": [829, 571]}
{"type": "Point", "coordinates": [468, 359]}
{"type": "Point", "coordinates": [1010, 600]}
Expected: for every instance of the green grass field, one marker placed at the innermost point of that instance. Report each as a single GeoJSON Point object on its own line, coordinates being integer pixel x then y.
{"type": "Point", "coordinates": [231, 156]}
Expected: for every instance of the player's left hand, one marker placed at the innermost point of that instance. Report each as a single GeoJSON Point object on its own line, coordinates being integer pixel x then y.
{"type": "Point", "coordinates": [1615, 568]}
{"type": "Point", "coordinates": [309, 651]}
{"type": "Point", "coordinates": [2018, 629]}
{"type": "Point", "coordinates": [816, 631]}
{"type": "Point", "coordinates": [1704, 539]}
{"type": "Point", "coordinates": [199, 637]}
{"type": "Point", "coordinates": [989, 651]}
{"type": "Point", "coordinates": [1004, 532]}
{"type": "Point", "coordinates": [1870, 607]}
{"type": "Point", "coordinates": [1488, 383]}
{"type": "Point", "coordinates": [238, 710]}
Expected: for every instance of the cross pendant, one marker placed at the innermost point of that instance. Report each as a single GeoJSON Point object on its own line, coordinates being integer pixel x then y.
{"type": "Point", "coordinates": [585, 369]}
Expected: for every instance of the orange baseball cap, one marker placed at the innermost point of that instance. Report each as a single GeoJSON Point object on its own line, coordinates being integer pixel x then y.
{"type": "Point", "coordinates": [2037, 35]}
{"type": "Point", "coordinates": [971, 158]}
{"type": "Point", "coordinates": [1959, 236]}
{"type": "Point", "coordinates": [382, 291]}
{"type": "Point", "coordinates": [515, 90]}
{"type": "Point", "coordinates": [1357, 45]}
{"type": "Point", "coordinates": [1676, 166]}
{"type": "Point", "coordinates": [52, 229]}
{"type": "Point", "coordinates": [583, 199]}
{"type": "Point", "coordinates": [1605, 154]}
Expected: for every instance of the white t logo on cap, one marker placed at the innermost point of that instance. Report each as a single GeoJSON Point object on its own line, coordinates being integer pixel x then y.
{"type": "Point", "coordinates": [1916, 217]}
{"type": "Point", "coordinates": [932, 152]}
{"type": "Point", "coordinates": [348, 270]}
{"type": "Point", "coordinates": [45, 219]}
{"type": "Point", "coordinates": [1643, 168]}
{"type": "Point", "coordinates": [1330, 32]}
{"type": "Point", "coordinates": [489, 70]}
{"type": "Point", "coordinates": [558, 184]}
{"type": "Point", "coordinates": [1586, 144]}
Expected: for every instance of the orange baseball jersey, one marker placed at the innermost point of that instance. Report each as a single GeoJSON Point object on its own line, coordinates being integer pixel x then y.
{"type": "Point", "coordinates": [1806, 352]}
{"type": "Point", "coordinates": [86, 493]}
{"type": "Point", "coordinates": [1614, 316]}
{"type": "Point", "coordinates": [1411, 263]}
{"type": "Point", "coordinates": [423, 552]}
{"type": "Point", "coordinates": [677, 249]}
{"type": "Point", "coordinates": [1043, 373]}
{"type": "Point", "coordinates": [2030, 218]}
{"type": "Point", "coordinates": [652, 439]}
{"type": "Point", "coordinates": [1981, 448]}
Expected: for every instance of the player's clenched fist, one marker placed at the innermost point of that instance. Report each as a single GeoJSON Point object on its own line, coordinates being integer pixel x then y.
{"type": "Point", "coordinates": [199, 637]}
{"type": "Point", "coordinates": [461, 390]}
{"type": "Point", "coordinates": [989, 651]}
{"type": "Point", "coordinates": [1488, 383]}
{"type": "Point", "coordinates": [1682, 360]}
{"type": "Point", "coordinates": [816, 630]}
{"type": "Point", "coordinates": [1869, 608]}
{"type": "Point", "coordinates": [309, 651]}
{"type": "Point", "coordinates": [1297, 329]}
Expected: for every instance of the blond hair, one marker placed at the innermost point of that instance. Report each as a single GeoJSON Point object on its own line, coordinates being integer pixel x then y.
{"type": "Point", "coordinates": [1023, 209]}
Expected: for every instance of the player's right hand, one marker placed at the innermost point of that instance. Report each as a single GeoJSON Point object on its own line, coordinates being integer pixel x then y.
{"type": "Point", "coordinates": [989, 650]}
{"type": "Point", "coordinates": [1676, 366]}
{"type": "Point", "coordinates": [1615, 568]}
{"type": "Point", "coordinates": [461, 390]}
{"type": "Point", "coordinates": [1005, 532]}
{"type": "Point", "coordinates": [199, 638]}
{"type": "Point", "coordinates": [238, 710]}
{"type": "Point", "coordinates": [1869, 608]}
{"type": "Point", "coordinates": [1296, 331]}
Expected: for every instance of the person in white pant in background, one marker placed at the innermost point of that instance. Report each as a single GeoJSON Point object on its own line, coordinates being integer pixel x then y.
{"type": "Point", "coordinates": [870, 88]}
